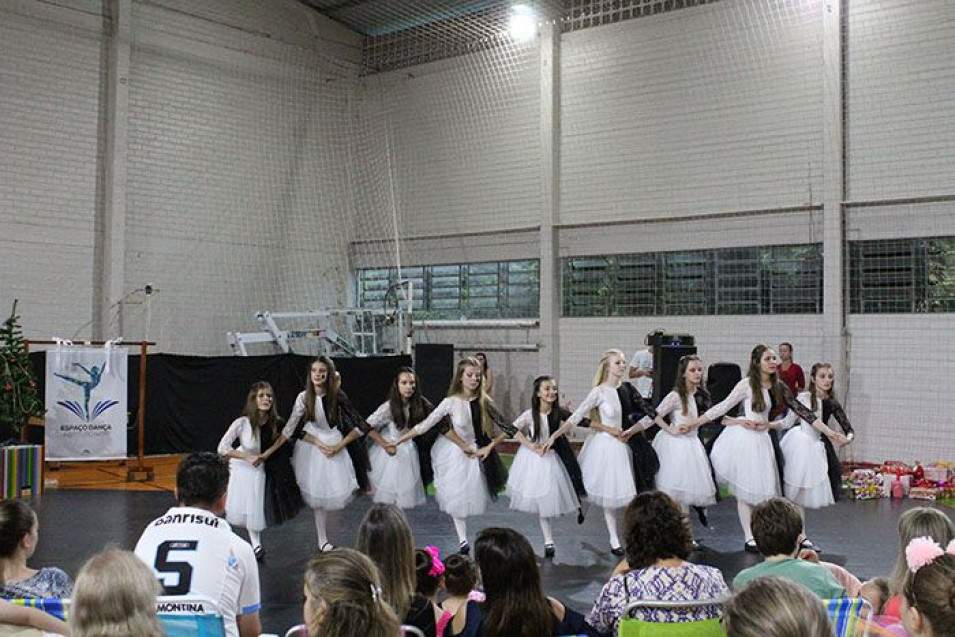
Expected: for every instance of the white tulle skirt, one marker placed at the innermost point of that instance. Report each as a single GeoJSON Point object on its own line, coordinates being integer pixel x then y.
{"type": "Point", "coordinates": [396, 479]}
{"type": "Point", "coordinates": [459, 484]}
{"type": "Point", "coordinates": [684, 472]}
{"type": "Point", "coordinates": [326, 483]}
{"type": "Point", "coordinates": [607, 467]}
{"type": "Point", "coordinates": [744, 461]}
{"type": "Point", "coordinates": [245, 502]}
{"type": "Point", "coordinates": [540, 485]}
{"type": "Point", "coordinates": [806, 472]}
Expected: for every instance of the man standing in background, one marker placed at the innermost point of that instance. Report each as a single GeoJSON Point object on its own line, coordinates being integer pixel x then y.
{"type": "Point", "coordinates": [789, 372]}
{"type": "Point", "coordinates": [641, 368]}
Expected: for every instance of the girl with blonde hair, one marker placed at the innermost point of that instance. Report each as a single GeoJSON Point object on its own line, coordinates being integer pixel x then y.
{"type": "Point", "coordinates": [343, 597]}
{"type": "Point", "coordinates": [617, 460]}
{"type": "Point", "coordinates": [115, 596]}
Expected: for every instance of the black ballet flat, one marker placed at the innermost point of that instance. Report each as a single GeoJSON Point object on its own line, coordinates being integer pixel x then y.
{"type": "Point", "coordinates": [326, 547]}
{"type": "Point", "coordinates": [617, 550]}
{"type": "Point", "coordinates": [580, 516]}
{"type": "Point", "coordinates": [464, 548]}
{"type": "Point", "coordinates": [701, 514]}
{"type": "Point", "coordinates": [549, 550]}
{"type": "Point", "coordinates": [750, 546]}
{"type": "Point", "coordinates": [259, 553]}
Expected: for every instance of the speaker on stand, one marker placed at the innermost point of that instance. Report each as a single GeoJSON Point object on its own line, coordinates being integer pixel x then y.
{"type": "Point", "coordinates": [667, 349]}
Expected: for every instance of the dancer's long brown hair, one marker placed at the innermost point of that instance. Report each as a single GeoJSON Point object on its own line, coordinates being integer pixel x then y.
{"type": "Point", "coordinates": [680, 386]}
{"type": "Point", "coordinates": [332, 385]}
{"type": "Point", "coordinates": [251, 409]}
{"type": "Point", "coordinates": [418, 406]}
{"type": "Point", "coordinates": [755, 379]}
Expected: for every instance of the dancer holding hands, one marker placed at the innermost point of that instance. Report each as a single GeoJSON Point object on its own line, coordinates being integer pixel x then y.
{"type": "Point", "coordinates": [539, 482]}
{"type": "Point", "coordinates": [614, 473]}
{"type": "Point", "coordinates": [745, 455]}
{"type": "Point", "coordinates": [468, 471]}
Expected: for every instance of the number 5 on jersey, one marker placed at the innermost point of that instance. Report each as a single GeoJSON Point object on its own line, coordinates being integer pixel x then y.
{"type": "Point", "coordinates": [180, 568]}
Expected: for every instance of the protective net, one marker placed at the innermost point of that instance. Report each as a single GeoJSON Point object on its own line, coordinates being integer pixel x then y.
{"type": "Point", "coordinates": [715, 162]}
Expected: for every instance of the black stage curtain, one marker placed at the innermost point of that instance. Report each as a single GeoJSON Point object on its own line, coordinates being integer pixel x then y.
{"type": "Point", "coordinates": [192, 400]}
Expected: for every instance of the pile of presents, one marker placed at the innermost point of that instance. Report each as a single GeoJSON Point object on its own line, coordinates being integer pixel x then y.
{"type": "Point", "coordinates": [895, 479]}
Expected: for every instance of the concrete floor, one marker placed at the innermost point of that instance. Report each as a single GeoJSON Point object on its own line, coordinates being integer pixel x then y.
{"type": "Point", "coordinates": [860, 535]}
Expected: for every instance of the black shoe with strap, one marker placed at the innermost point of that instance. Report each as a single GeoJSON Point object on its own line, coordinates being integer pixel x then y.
{"type": "Point", "coordinates": [464, 548]}
{"type": "Point", "coordinates": [549, 550]}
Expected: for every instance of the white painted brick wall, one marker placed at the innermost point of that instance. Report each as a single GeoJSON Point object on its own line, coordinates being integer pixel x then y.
{"type": "Point", "coordinates": [235, 179]}
{"type": "Point", "coordinates": [718, 339]}
{"type": "Point", "coordinates": [708, 109]}
{"type": "Point", "coordinates": [465, 141]}
{"type": "Point", "coordinates": [50, 91]}
{"type": "Point", "coordinates": [901, 68]}
{"type": "Point", "coordinates": [900, 386]}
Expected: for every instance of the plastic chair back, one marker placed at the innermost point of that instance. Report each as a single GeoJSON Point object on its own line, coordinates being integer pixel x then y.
{"type": "Point", "coordinates": [301, 630]}
{"type": "Point", "coordinates": [848, 615]}
{"type": "Point", "coordinates": [411, 631]}
{"type": "Point", "coordinates": [632, 627]}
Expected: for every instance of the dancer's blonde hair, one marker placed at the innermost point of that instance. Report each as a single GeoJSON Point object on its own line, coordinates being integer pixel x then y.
{"type": "Point", "coordinates": [601, 375]}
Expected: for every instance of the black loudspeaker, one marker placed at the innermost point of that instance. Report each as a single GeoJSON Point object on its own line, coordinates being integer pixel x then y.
{"type": "Point", "coordinates": [666, 358]}
{"type": "Point", "coordinates": [721, 378]}
{"type": "Point", "coordinates": [434, 364]}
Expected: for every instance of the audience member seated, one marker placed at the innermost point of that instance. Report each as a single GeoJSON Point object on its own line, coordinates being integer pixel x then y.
{"type": "Point", "coordinates": [344, 598]}
{"type": "Point", "coordinates": [460, 582]}
{"type": "Point", "coordinates": [19, 534]}
{"type": "Point", "coordinates": [778, 532]}
{"type": "Point", "coordinates": [221, 565]}
{"type": "Point", "coordinates": [515, 604]}
{"type": "Point", "coordinates": [658, 543]}
{"type": "Point", "coordinates": [917, 522]}
{"type": "Point", "coordinates": [876, 592]}
{"type": "Point", "coordinates": [775, 607]}
{"type": "Point", "coordinates": [115, 596]}
{"type": "Point", "coordinates": [928, 608]}
{"type": "Point", "coordinates": [429, 577]}
{"type": "Point", "coordinates": [385, 537]}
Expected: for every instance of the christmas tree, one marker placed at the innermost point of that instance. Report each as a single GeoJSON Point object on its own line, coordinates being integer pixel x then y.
{"type": "Point", "coordinates": [18, 388]}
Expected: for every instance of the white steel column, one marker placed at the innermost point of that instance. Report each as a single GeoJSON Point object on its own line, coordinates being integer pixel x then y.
{"type": "Point", "coordinates": [835, 334]}
{"type": "Point", "coordinates": [113, 278]}
{"type": "Point", "coordinates": [549, 358]}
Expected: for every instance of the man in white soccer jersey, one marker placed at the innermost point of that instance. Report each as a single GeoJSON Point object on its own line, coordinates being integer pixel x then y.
{"type": "Point", "coordinates": [194, 551]}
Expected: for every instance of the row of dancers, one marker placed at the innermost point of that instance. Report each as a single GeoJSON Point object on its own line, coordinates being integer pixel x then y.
{"type": "Point", "coordinates": [454, 445]}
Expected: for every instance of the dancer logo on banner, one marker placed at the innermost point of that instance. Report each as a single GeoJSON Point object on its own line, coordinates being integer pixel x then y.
{"type": "Point", "coordinates": [86, 403]}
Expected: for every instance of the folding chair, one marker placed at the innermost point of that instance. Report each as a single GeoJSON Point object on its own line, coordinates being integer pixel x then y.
{"type": "Point", "coordinates": [632, 627]}
{"type": "Point", "coordinates": [849, 616]}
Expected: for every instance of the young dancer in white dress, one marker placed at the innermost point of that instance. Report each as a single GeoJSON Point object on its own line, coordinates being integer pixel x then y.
{"type": "Point", "coordinates": [606, 460]}
{"type": "Point", "coordinates": [744, 454]}
{"type": "Point", "coordinates": [806, 474]}
{"type": "Point", "coordinates": [538, 482]}
{"type": "Point", "coordinates": [685, 473]}
{"type": "Point", "coordinates": [323, 424]}
{"type": "Point", "coordinates": [245, 502]}
{"type": "Point", "coordinates": [396, 471]}
{"type": "Point", "coordinates": [262, 492]}
{"type": "Point", "coordinates": [468, 472]}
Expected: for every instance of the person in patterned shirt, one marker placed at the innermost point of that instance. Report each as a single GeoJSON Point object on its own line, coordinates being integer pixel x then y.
{"type": "Point", "coordinates": [658, 545]}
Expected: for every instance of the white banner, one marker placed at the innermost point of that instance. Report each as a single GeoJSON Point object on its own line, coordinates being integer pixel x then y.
{"type": "Point", "coordinates": [86, 403]}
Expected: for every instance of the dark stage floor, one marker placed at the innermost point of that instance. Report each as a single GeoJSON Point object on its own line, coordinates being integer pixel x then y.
{"type": "Point", "coordinates": [861, 535]}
